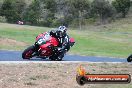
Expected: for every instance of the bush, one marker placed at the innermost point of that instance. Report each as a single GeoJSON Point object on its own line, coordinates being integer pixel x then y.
{"type": "Point", "coordinates": [103, 9]}
{"type": "Point", "coordinates": [122, 6]}
{"type": "Point", "coordinates": [56, 23]}
{"type": "Point", "coordinates": [3, 19]}
{"type": "Point", "coordinates": [12, 10]}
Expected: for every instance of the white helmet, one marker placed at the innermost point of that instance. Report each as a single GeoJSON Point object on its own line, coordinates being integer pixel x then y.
{"type": "Point", "coordinates": [62, 30]}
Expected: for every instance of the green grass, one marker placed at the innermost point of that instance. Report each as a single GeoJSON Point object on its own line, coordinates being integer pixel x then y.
{"type": "Point", "coordinates": [100, 44]}
{"type": "Point", "coordinates": [114, 40]}
{"type": "Point", "coordinates": [21, 33]}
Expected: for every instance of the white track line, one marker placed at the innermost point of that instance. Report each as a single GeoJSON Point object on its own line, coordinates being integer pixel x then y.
{"type": "Point", "coordinates": [23, 62]}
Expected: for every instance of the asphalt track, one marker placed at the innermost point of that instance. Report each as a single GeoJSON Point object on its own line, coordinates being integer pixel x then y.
{"type": "Point", "coordinates": [16, 56]}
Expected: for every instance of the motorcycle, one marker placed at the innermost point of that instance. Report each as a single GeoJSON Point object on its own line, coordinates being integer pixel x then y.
{"type": "Point", "coordinates": [45, 47]}
{"type": "Point", "coordinates": [129, 59]}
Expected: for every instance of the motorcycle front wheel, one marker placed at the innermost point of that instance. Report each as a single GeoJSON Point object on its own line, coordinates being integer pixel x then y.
{"type": "Point", "coordinates": [27, 53]}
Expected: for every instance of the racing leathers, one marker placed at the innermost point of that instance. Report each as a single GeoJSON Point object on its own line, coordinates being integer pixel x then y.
{"type": "Point", "coordinates": [63, 41]}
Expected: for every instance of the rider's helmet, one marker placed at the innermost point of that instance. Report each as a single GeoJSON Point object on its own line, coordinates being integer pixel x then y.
{"type": "Point", "coordinates": [62, 30]}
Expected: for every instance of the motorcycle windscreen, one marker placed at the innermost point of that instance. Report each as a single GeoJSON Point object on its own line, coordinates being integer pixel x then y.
{"type": "Point", "coordinates": [45, 36]}
{"type": "Point", "coordinates": [43, 39]}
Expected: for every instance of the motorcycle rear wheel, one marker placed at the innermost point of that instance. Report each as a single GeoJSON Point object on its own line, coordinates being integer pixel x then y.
{"type": "Point", "coordinates": [27, 53]}
{"type": "Point", "coordinates": [129, 59]}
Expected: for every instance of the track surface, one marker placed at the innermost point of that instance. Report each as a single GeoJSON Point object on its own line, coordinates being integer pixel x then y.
{"type": "Point", "coordinates": [16, 56]}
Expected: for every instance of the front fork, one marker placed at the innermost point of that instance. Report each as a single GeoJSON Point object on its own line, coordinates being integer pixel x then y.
{"type": "Point", "coordinates": [37, 49]}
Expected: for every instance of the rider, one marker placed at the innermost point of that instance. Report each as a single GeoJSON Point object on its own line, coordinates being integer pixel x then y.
{"type": "Point", "coordinates": [63, 38]}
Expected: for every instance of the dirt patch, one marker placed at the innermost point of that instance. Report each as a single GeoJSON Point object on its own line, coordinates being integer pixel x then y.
{"type": "Point", "coordinates": [7, 41]}
{"type": "Point", "coordinates": [57, 75]}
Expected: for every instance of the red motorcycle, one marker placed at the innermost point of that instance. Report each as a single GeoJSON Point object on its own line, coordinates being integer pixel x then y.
{"type": "Point", "coordinates": [45, 47]}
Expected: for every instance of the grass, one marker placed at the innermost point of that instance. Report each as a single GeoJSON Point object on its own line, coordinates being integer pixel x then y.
{"type": "Point", "coordinates": [30, 84]}
{"type": "Point", "coordinates": [113, 40]}
{"type": "Point", "coordinates": [102, 44]}
{"type": "Point", "coordinates": [21, 33]}
{"type": "Point", "coordinates": [38, 75]}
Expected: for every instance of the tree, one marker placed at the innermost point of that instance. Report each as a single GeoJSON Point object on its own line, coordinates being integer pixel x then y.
{"type": "Point", "coordinates": [82, 7]}
{"type": "Point", "coordinates": [102, 8]}
{"type": "Point", "coordinates": [122, 6]}
{"type": "Point", "coordinates": [49, 4]}
{"type": "Point", "coordinates": [20, 6]}
{"type": "Point", "coordinates": [12, 10]}
{"type": "Point", "coordinates": [70, 10]}
{"type": "Point", "coordinates": [32, 13]}
{"type": "Point", "coordinates": [40, 12]}
{"type": "Point", "coordinates": [1, 3]}
{"type": "Point", "coordinates": [48, 10]}
{"type": "Point", "coordinates": [8, 11]}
